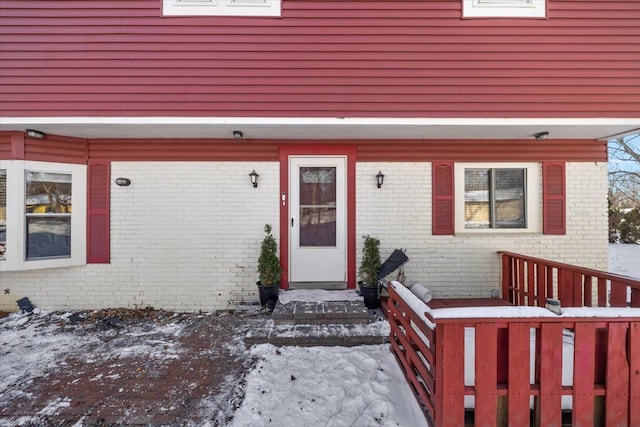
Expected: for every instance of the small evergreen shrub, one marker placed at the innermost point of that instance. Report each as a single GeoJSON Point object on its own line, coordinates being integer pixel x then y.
{"type": "Point", "coordinates": [268, 263]}
{"type": "Point", "coordinates": [370, 264]}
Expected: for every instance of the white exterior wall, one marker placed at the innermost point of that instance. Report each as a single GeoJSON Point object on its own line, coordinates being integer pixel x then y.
{"type": "Point", "coordinates": [185, 236]}
{"type": "Point", "coordinates": [399, 214]}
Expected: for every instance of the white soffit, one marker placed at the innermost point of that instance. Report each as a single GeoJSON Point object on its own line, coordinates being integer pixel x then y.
{"type": "Point", "coordinates": [323, 128]}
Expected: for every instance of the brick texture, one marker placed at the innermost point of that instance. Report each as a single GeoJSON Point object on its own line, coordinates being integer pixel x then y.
{"type": "Point", "coordinates": [186, 236]}
{"type": "Point", "coordinates": [399, 214]}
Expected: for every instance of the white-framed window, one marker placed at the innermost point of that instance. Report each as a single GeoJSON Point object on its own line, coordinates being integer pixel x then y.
{"type": "Point", "coordinates": [498, 197]}
{"type": "Point", "coordinates": [504, 8]}
{"type": "Point", "coordinates": [44, 217]}
{"type": "Point", "coordinates": [221, 8]}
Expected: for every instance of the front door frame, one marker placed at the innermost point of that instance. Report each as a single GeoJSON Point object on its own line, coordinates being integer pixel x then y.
{"type": "Point", "coordinates": [350, 151]}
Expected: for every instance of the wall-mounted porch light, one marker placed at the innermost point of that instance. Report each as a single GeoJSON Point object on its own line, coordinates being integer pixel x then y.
{"type": "Point", "coordinates": [380, 178]}
{"type": "Point", "coordinates": [238, 135]}
{"type": "Point", "coordinates": [32, 133]}
{"type": "Point", "coordinates": [123, 182]}
{"type": "Point", "coordinates": [254, 178]}
{"type": "Point", "coordinates": [541, 136]}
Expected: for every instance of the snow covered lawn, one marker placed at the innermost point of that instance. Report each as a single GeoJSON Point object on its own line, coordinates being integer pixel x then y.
{"type": "Point", "coordinates": [327, 386]}
{"type": "Point", "coordinates": [624, 259]}
{"type": "Point", "coordinates": [288, 386]}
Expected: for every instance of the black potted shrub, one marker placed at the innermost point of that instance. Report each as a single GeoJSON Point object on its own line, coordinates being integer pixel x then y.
{"type": "Point", "coordinates": [368, 272]}
{"type": "Point", "coordinates": [269, 270]}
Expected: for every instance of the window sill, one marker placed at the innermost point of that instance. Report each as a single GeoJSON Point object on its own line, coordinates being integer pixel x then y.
{"type": "Point", "coordinates": [497, 233]}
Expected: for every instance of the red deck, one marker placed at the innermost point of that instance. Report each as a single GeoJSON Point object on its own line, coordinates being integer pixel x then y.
{"type": "Point", "coordinates": [520, 360]}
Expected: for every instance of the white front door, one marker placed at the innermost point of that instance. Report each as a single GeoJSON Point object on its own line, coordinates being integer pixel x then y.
{"type": "Point", "coordinates": [318, 232]}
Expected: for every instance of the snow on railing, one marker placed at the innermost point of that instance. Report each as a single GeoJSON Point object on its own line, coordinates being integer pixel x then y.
{"type": "Point", "coordinates": [411, 338]}
{"type": "Point", "coordinates": [518, 366]}
{"type": "Point", "coordinates": [530, 281]}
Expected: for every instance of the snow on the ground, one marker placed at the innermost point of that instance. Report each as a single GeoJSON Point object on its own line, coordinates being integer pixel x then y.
{"type": "Point", "coordinates": [291, 386]}
{"type": "Point", "coordinates": [624, 259]}
{"type": "Point", "coordinates": [30, 346]}
{"type": "Point", "coordinates": [327, 386]}
{"type": "Point", "coordinates": [37, 344]}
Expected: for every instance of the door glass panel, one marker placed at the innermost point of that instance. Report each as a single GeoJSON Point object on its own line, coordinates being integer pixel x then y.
{"type": "Point", "coordinates": [317, 225]}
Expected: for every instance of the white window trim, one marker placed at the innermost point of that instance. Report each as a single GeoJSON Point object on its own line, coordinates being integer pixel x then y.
{"type": "Point", "coordinates": [221, 8]}
{"type": "Point", "coordinates": [16, 215]}
{"type": "Point", "coordinates": [504, 8]}
{"type": "Point", "coordinates": [533, 205]}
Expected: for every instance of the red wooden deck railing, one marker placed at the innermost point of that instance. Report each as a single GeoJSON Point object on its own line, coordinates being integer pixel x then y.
{"type": "Point", "coordinates": [605, 366]}
{"type": "Point", "coordinates": [530, 281]}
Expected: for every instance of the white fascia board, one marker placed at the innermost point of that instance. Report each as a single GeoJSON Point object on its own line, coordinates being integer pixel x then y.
{"type": "Point", "coordinates": [325, 127]}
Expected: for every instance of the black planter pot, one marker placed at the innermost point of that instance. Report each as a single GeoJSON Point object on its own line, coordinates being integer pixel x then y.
{"type": "Point", "coordinates": [371, 296]}
{"type": "Point", "coordinates": [268, 295]}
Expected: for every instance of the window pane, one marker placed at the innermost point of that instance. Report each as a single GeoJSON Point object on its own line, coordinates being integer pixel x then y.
{"type": "Point", "coordinates": [48, 193]}
{"type": "Point", "coordinates": [509, 198]}
{"type": "Point", "coordinates": [48, 237]}
{"type": "Point", "coordinates": [3, 213]}
{"type": "Point", "coordinates": [477, 203]}
{"type": "Point", "coordinates": [494, 198]}
{"type": "Point", "coordinates": [48, 209]}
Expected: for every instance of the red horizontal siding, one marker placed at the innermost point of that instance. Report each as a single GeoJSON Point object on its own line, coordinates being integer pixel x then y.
{"type": "Point", "coordinates": [15, 145]}
{"type": "Point", "coordinates": [484, 150]}
{"type": "Point", "coordinates": [322, 58]}
{"type": "Point", "coordinates": [56, 149]}
{"type": "Point", "coordinates": [59, 149]}
{"type": "Point", "coordinates": [5, 146]}
{"type": "Point", "coordinates": [368, 150]}
{"type": "Point", "coordinates": [181, 150]}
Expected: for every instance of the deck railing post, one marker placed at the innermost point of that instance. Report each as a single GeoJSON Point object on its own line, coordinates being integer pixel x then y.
{"type": "Point", "coordinates": [507, 274]}
{"type": "Point", "coordinates": [450, 381]}
{"type": "Point", "coordinates": [549, 360]}
{"type": "Point", "coordinates": [486, 369]}
{"type": "Point", "coordinates": [520, 282]}
{"type": "Point", "coordinates": [541, 284]}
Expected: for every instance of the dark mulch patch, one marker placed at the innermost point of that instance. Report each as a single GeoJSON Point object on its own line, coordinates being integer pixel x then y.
{"type": "Point", "coordinates": [188, 378]}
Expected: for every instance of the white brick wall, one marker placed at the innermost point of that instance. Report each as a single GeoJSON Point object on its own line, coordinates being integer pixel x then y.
{"type": "Point", "coordinates": [399, 214]}
{"type": "Point", "coordinates": [186, 236]}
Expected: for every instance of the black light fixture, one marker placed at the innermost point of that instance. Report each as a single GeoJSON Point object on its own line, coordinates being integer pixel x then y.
{"type": "Point", "coordinates": [380, 178]}
{"type": "Point", "coordinates": [254, 178]}
{"type": "Point", "coordinates": [32, 133]}
{"type": "Point", "coordinates": [123, 182]}
{"type": "Point", "coordinates": [541, 136]}
{"type": "Point", "coordinates": [238, 135]}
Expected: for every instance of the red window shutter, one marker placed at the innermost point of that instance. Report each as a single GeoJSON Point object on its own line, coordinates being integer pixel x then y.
{"type": "Point", "coordinates": [442, 215]}
{"type": "Point", "coordinates": [98, 196]}
{"type": "Point", "coordinates": [553, 198]}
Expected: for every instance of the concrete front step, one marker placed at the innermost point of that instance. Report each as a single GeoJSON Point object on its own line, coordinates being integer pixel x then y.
{"type": "Point", "coordinates": [319, 318]}
{"type": "Point", "coordinates": [376, 332]}
{"type": "Point", "coordinates": [321, 313]}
